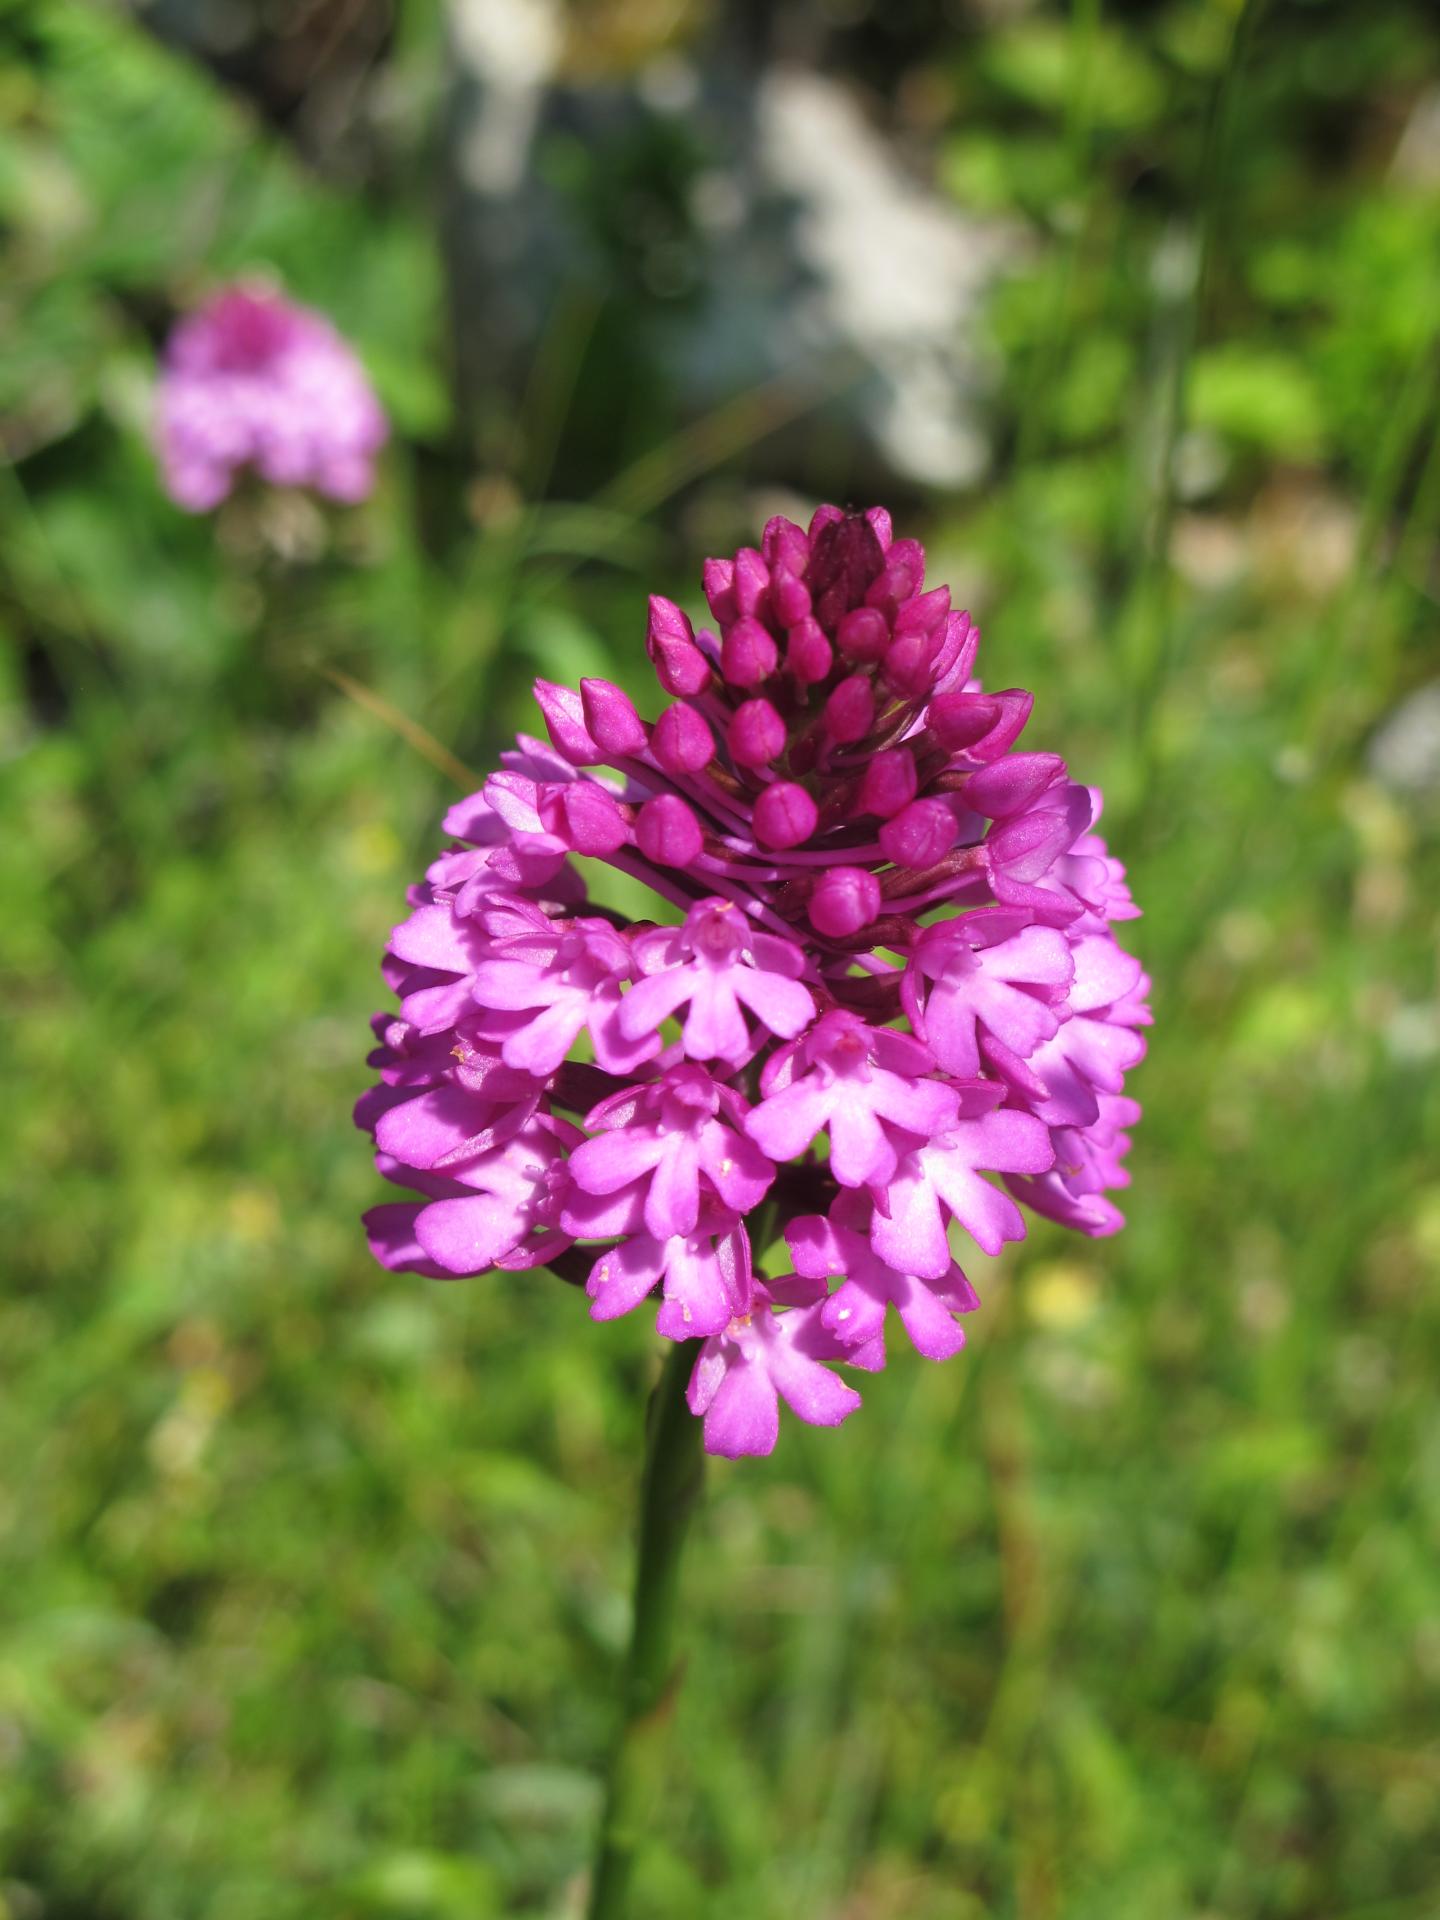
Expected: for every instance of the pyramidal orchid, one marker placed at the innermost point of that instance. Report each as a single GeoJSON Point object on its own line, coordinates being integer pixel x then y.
{"type": "Point", "coordinates": [875, 1008]}
{"type": "Point", "coordinates": [878, 1006]}
{"type": "Point", "coordinates": [252, 380]}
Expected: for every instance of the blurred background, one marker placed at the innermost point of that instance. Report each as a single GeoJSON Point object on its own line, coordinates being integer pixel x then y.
{"type": "Point", "coordinates": [313, 1578]}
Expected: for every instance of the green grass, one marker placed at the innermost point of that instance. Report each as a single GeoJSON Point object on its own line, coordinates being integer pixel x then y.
{"type": "Point", "coordinates": [313, 1579]}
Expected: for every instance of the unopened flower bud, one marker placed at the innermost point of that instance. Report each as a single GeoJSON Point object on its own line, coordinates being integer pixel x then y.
{"type": "Point", "coordinates": [785, 815]}
{"type": "Point", "coordinates": [888, 785]}
{"type": "Point", "coordinates": [850, 710]}
{"type": "Point", "coordinates": [863, 634]}
{"type": "Point", "coordinates": [789, 598]}
{"type": "Point", "coordinates": [667, 831]}
{"type": "Point", "coordinates": [595, 822]}
{"type": "Point", "coordinates": [756, 735]}
{"type": "Point", "coordinates": [717, 577]}
{"type": "Point", "coordinates": [682, 741]}
{"type": "Point", "coordinates": [610, 716]}
{"type": "Point", "coordinates": [565, 723]}
{"type": "Point", "coordinates": [844, 900]}
{"type": "Point", "coordinates": [680, 666]}
{"type": "Point", "coordinates": [751, 579]}
{"type": "Point", "coordinates": [919, 835]}
{"type": "Point", "coordinates": [808, 654]}
{"type": "Point", "coordinates": [749, 654]}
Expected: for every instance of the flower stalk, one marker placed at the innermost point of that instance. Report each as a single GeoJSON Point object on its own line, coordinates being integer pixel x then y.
{"type": "Point", "coordinates": [669, 1490]}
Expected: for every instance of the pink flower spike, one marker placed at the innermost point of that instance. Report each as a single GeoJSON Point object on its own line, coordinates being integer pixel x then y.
{"type": "Point", "coordinates": [756, 735]}
{"type": "Point", "coordinates": [785, 815]}
{"type": "Point", "coordinates": [255, 381]}
{"type": "Point", "coordinates": [903, 1007]}
{"type": "Point", "coordinates": [667, 832]}
{"type": "Point", "coordinates": [611, 719]}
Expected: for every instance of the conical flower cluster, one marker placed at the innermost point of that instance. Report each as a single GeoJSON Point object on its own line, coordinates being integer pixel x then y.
{"type": "Point", "coordinates": [881, 972]}
{"type": "Point", "coordinates": [256, 382]}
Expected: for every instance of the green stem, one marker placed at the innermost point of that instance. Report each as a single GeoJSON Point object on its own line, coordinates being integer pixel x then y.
{"type": "Point", "coordinates": [669, 1489]}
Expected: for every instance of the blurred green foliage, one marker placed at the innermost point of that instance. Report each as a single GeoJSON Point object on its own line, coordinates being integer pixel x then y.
{"type": "Point", "coordinates": [312, 1579]}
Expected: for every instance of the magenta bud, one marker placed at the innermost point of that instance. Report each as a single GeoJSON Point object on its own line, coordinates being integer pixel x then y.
{"type": "Point", "coordinates": [785, 815]}
{"type": "Point", "coordinates": [926, 613]}
{"type": "Point", "coordinates": [982, 726]}
{"type": "Point", "coordinates": [955, 662]}
{"type": "Point", "coordinates": [565, 723]}
{"type": "Point", "coordinates": [680, 666]}
{"type": "Point", "coordinates": [789, 598]}
{"type": "Point", "coordinates": [958, 720]}
{"type": "Point", "coordinates": [844, 558]}
{"type": "Point", "coordinates": [808, 654]}
{"type": "Point", "coordinates": [909, 665]}
{"type": "Point", "coordinates": [610, 716]}
{"type": "Point", "coordinates": [880, 521]}
{"type": "Point", "coordinates": [845, 899]}
{"type": "Point", "coordinates": [889, 784]}
{"type": "Point", "coordinates": [756, 734]}
{"type": "Point", "coordinates": [668, 832]}
{"type": "Point", "coordinates": [900, 580]}
{"type": "Point", "coordinates": [824, 517]}
{"type": "Point", "coordinates": [593, 819]}
{"type": "Point", "coordinates": [784, 545]}
{"type": "Point", "coordinates": [682, 741]}
{"type": "Point", "coordinates": [749, 655]}
{"type": "Point", "coordinates": [918, 836]}
{"type": "Point", "coordinates": [752, 580]}
{"type": "Point", "coordinates": [863, 634]}
{"type": "Point", "coordinates": [717, 577]}
{"type": "Point", "coordinates": [850, 710]}
{"type": "Point", "coordinates": [1012, 784]}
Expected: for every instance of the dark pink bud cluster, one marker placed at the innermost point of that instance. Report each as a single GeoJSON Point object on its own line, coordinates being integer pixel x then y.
{"type": "Point", "coordinates": [880, 971]}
